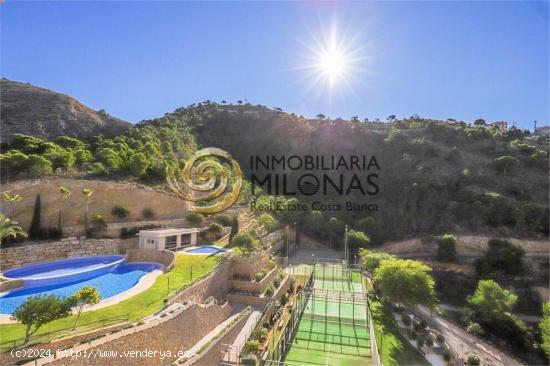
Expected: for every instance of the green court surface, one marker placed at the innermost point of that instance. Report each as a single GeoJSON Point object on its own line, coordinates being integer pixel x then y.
{"type": "Point", "coordinates": [333, 329]}
{"type": "Point", "coordinates": [320, 343]}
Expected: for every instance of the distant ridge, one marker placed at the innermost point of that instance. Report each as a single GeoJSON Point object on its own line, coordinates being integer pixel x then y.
{"type": "Point", "coordinates": [36, 111]}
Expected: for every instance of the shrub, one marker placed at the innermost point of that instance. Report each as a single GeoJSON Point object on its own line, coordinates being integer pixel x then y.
{"type": "Point", "coordinates": [194, 218]}
{"type": "Point", "coordinates": [120, 211]}
{"type": "Point", "coordinates": [269, 290]}
{"type": "Point", "coordinates": [259, 276]}
{"type": "Point", "coordinates": [446, 248]}
{"type": "Point", "coordinates": [475, 329]}
{"type": "Point", "coordinates": [276, 281]}
{"type": "Point", "coordinates": [215, 228]}
{"type": "Point", "coordinates": [473, 360]}
{"type": "Point", "coordinates": [440, 339]}
{"type": "Point", "coordinates": [446, 356]}
{"type": "Point", "coordinates": [249, 360]}
{"type": "Point", "coordinates": [224, 220]}
{"type": "Point", "coordinates": [253, 345]}
{"type": "Point", "coordinates": [148, 213]}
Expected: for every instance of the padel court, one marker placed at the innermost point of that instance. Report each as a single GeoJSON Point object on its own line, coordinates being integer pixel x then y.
{"type": "Point", "coordinates": [333, 328]}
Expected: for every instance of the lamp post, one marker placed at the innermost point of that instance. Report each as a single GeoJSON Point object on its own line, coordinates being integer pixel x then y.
{"type": "Point", "coordinates": [287, 245]}
{"type": "Point", "coordinates": [412, 317]}
{"type": "Point", "coordinates": [346, 244]}
{"type": "Point", "coordinates": [295, 234]}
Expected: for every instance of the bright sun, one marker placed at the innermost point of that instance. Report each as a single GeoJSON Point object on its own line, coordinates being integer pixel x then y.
{"type": "Point", "coordinates": [332, 64]}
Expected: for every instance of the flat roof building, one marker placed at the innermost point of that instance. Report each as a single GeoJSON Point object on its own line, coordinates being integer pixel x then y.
{"type": "Point", "coordinates": [170, 238]}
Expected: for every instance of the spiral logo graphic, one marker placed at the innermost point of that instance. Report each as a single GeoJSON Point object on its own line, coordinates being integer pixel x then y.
{"type": "Point", "coordinates": [205, 180]}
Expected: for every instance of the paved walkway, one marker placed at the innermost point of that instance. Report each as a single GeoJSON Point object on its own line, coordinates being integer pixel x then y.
{"type": "Point", "coordinates": [213, 333]}
{"type": "Point", "coordinates": [465, 343]}
{"type": "Point", "coordinates": [235, 349]}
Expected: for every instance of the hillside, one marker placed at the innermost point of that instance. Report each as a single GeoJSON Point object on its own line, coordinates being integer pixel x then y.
{"type": "Point", "coordinates": [435, 176]}
{"type": "Point", "coordinates": [36, 111]}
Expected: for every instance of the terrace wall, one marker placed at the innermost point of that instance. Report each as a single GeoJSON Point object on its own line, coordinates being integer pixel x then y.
{"type": "Point", "coordinates": [253, 286]}
{"type": "Point", "coordinates": [38, 252]}
{"type": "Point", "coordinates": [175, 335]}
{"type": "Point", "coordinates": [213, 355]}
{"type": "Point", "coordinates": [247, 267]}
{"type": "Point", "coordinates": [215, 285]}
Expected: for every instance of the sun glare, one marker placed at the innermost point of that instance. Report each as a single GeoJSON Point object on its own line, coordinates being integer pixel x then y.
{"type": "Point", "coordinates": [333, 60]}
{"type": "Point", "coordinates": [332, 64]}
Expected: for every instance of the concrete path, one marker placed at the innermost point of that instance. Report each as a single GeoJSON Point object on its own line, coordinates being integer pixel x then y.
{"type": "Point", "coordinates": [465, 343]}
{"type": "Point", "coordinates": [235, 349]}
{"type": "Point", "coordinates": [207, 338]}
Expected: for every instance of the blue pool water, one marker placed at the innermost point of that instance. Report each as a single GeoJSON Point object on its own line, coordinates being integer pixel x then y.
{"type": "Point", "coordinates": [206, 249]}
{"type": "Point", "coordinates": [116, 279]}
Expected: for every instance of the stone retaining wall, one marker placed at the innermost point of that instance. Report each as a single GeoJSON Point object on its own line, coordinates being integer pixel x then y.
{"type": "Point", "coordinates": [164, 257]}
{"type": "Point", "coordinates": [259, 301]}
{"type": "Point", "coordinates": [247, 267]}
{"type": "Point", "coordinates": [37, 252]}
{"type": "Point", "coordinates": [174, 335]}
{"type": "Point", "coordinates": [253, 286]}
{"type": "Point", "coordinates": [213, 354]}
{"type": "Point", "coordinates": [215, 285]}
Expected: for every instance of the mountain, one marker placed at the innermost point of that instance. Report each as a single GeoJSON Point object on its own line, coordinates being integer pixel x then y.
{"type": "Point", "coordinates": [435, 176]}
{"type": "Point", "coordinates": [36, 111]}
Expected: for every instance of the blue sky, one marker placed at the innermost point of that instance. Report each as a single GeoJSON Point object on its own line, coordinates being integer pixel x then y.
{"type": "Point", "coordinates": [139, 60]}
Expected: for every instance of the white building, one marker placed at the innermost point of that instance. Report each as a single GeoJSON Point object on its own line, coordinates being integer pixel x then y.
{"type": "Point", "coordinates": [167, 238]}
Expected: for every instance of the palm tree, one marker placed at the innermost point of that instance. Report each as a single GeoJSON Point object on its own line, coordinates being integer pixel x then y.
{"type": "Point", "coordinates": [87, 192]}
{"type": "Point", "coordinates": [8, 229]}
{"type": "Point", "coordinates": [63, 193]}
{"type": "Point", "coordinates": [12, 199]}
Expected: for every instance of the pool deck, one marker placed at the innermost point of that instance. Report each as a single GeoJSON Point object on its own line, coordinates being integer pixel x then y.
{"type": "Point", "coordinates": [143, 284]}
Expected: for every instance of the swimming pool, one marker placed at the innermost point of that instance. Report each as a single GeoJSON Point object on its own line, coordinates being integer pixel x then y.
{"type": "Point", "coordinates": [205, 249]}
{"type": "Point", "coordinates": [111, 275]}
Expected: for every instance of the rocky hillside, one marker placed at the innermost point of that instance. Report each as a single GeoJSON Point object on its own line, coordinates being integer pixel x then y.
{"type": "Point", "coordinates": [31, 110]}
{"type": "Point", "coordinates": [435, 176]}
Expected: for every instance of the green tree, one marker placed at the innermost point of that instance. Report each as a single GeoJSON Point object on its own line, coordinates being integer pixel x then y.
{"type": "Point", "coordinates": [490, 301]}
{"type": "Point", "coordinates": [194, 218]}
{"type": "Point", "coordinates": [492, 307]}
{"type": "Point", "coordinates": [87, 295]}
{"type": "Point", "coordinates": [234, 228]}
{"type": "Point", "coordinates": [38, 166]}
{"type": "Point", "coordinates": [267, 221]}
{"type": "Point", "coordinates": [372, 259]}
{"type": "Point", "coordinates": [120, 211]}
{"type": "Point", "coordinates": [545, 328]}
{"type": "Point", "coordinates": [357, 240]}
{"type": "Point", "coordinates": [506, 164]}
{"type": "Point", "coordinates": [64, 193]}
{"type": "Point", "coordinates": [138, 164]}
{"type": "Point", "coordinates": [12, 199]}
{"type": "Point", "coordinates": [8, 229]}
{"type": "Point", "coordinates": [87, 193]}
{"type": "Point", "coordinates": [406, 282]}
{"type": "Point", "coordinates": [502, 256]}
{"type": "Point", "coordinates": [245, 241]}
{"type": "Point", "coordinates": [39, 310]}
{"type": "Point", "coordinates": [446, 248]}
{"type": "Point", "coordinates": [35, 229]}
